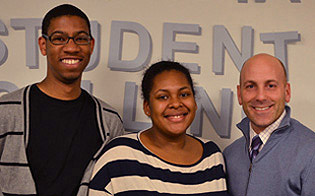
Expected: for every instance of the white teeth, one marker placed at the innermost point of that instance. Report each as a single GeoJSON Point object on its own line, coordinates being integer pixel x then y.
{"type": "Point", "coordinates": [173, 116]}
{"type": "Point", "coordinates": [70, 61]}
{"type": "Point", "coordinates": [261, 109]}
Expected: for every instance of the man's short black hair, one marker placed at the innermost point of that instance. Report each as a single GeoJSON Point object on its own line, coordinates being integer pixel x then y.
{"type": "Point", "coordinates": [63, 10]}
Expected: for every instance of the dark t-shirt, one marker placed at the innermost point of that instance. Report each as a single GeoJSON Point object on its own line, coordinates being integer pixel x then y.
{"type": "Point", "coordinates": [64, 136]}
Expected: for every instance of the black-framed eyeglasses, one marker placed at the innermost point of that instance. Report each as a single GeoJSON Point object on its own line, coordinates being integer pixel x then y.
{"type": "Point", "coordinates": [57, 38]}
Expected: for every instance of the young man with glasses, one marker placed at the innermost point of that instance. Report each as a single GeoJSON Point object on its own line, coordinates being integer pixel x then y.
{"type": "Point", "coordinates": [51, 130]}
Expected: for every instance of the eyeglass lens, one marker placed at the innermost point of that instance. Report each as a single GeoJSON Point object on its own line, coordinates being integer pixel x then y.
{"type": "Point", "coordinates": [62, 39]}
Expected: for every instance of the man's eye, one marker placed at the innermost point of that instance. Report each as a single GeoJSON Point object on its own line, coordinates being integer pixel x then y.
{"type": "Point", "coordinates": [271, 86]}
{"type": "Point", "coordinates": [58, 38]}
{"type": "Point", "coordinates": [249, 86]}
{"type": "Point", "coordinates": [83, 39]}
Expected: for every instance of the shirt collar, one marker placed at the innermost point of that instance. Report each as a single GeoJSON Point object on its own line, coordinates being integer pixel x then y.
{"type": "Point", "coordinates": [265, 134]}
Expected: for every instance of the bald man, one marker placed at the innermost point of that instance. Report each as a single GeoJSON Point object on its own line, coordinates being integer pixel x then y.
{"type": "Point", "coordinates": [276, 155]}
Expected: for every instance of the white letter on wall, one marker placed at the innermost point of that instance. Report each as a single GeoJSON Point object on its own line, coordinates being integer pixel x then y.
{"type": "Point", "coordinates": [222, 40]}
{"type": "Point", "coordinates": [7, 87]}
{"type": "Point", "coordinates": [118, 28]}
{"type": "Point", "coordinates": [3, 47]}
{"type": "Point", "coordinates": [129, 111]}
{"type": "Point", "coordinates": [263, 1]}
{"type": "Point", "coordinates": [170, 46]}
{"type": "Point", "coordinates": [31, 26]}
{"type": "Point", "coordinates": [280, 41]}
{"type": "Point", "coordinates": [95, 57]}
{"type": "Point", "coordinates": [221, 123]}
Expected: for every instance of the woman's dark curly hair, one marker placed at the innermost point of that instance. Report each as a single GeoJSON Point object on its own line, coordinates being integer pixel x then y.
{"type": "Point", "coordinates": [157, 68]}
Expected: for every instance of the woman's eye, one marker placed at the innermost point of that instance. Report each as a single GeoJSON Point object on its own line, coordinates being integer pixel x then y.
{"type": "Point", "coordinates": [184, 95]}
{"type": "Point", "coordinates": [164, 97]}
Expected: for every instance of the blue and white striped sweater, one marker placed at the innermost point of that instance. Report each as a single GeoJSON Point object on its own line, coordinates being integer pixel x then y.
{"type": "Point", "coordinates": [126, 167]}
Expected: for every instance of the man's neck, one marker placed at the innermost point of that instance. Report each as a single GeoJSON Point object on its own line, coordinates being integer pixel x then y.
{"type": "Point", "coordinates": [60, 90]}
{"type": "Point", "coordinates": [275, 124]}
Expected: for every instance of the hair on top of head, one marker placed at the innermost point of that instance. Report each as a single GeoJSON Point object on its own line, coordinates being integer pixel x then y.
{"type": "Point", "coordinates": [63, 10]}
{"type": "Point", "coordinates": [157, 68]}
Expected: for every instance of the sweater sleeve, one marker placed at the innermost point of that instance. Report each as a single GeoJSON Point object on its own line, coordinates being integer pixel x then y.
{"type": "Point", "coordinates": [111, 121]}
{"type": "Point", "coordinates": [308, 180]}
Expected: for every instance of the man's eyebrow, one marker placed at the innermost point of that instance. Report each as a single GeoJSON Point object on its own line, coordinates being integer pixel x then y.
{"type": "Point", "coordinates": [82, 32]}
{"type": "Point", "coordinates": [253, 82]}
{"type": "Point", "coordinates": [248, 81]}
{"type": "Point", "coordinates": [61, 32]}
{"type": "Point", "coordinates": [272, 81]}
{"type": "Point", "coordinates": [76, 33]}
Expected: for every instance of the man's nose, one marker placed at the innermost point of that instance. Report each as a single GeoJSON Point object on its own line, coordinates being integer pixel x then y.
{"type": "Point", "coordinates": [261, 94]}
{"type": "Point", "coordinates": [71, 46]}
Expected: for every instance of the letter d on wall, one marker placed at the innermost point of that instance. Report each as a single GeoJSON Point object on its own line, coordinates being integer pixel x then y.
{"type": "Point", "coordinates": [118, 28]}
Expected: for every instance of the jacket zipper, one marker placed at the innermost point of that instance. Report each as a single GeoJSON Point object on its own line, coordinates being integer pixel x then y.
{"type": "Point", "coordinates": [250, 171]}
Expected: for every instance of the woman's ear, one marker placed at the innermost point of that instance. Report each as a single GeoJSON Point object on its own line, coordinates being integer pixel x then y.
{"type": "Point", "coordinates": [146, 108]}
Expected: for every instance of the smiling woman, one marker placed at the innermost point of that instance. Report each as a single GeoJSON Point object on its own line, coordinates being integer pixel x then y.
{"type": "Point", "coordinates": [162, 159]}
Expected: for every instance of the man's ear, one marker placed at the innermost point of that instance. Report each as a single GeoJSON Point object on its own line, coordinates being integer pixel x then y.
{"type": "Point", "coordinates": [287, 92]}
{"type": "Point", "coordinates": [42, 45]}
{"type": "Point", "coordinates": [92, 43]}
{"type": "Point", "coordinates": [239, 97]}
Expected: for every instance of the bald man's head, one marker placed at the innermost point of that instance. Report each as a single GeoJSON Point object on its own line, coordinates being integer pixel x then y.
{"type": "Point", "coordinates": [263, 90]}
{"type": "Point", "coordinates": [265, 57]}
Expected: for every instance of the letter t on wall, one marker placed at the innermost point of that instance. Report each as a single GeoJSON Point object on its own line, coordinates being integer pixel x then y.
{"type": "Point", "coordinates": [280, 41]}
{"type": "Point", "coordinates": [31, 26]}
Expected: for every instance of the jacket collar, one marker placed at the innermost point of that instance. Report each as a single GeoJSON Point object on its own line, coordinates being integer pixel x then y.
{"type": "Point", "coordinates": [244, 124]}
